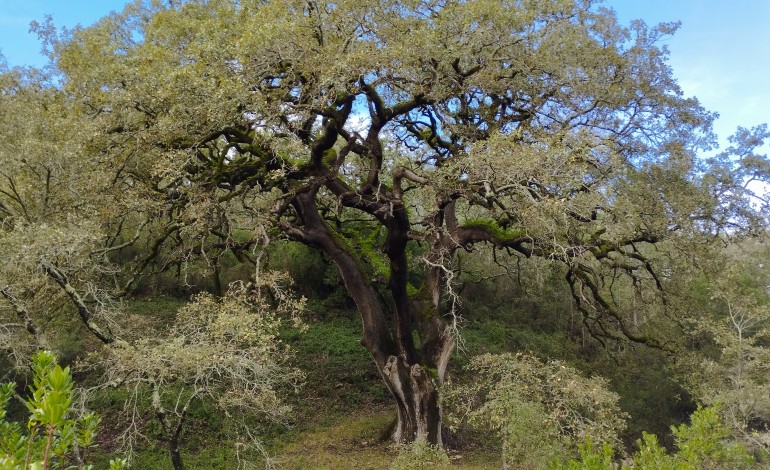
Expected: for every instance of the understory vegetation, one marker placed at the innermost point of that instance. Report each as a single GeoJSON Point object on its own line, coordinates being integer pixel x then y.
{"type": "Point", "coordinates": [528, 389]}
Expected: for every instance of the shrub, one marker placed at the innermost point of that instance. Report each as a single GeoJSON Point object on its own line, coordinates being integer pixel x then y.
{"type": "Point", "coordinates": [54, 437]}
{"type": "Point", "coordinates": [702, 445]}
{"type": "Point", "coordinates": [224, 351]}
{"type": "Point", "coordinates": [538, 410]}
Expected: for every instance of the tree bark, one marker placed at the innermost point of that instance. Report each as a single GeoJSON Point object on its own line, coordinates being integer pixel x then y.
{"type": "Point", "coordinates": [176, 455]}
{"type": "Point", "coordinates": [172, 433]}
{"type": "Point", "coordinates": [417, 401]}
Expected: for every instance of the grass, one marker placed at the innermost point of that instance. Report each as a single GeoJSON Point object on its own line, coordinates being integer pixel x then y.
{"type": "Point", "coordinates": [340, 374]}
{"type": "Point", "coordinates": [157, 311]}
{"type": "Point", "coordinates": [348, 441]}
{"type": "Point", "coordinates": [351, 441]}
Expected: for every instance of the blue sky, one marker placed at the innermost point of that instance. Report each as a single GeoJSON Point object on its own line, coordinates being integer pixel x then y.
{"type": "Point", "coordinates": [721, 54]}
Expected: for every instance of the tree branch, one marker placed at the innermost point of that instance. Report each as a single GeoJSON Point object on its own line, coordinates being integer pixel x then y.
{"type": "Point", "coordinates": [83, 311]}
{"type": "Point", "coordinates": [20, 310]}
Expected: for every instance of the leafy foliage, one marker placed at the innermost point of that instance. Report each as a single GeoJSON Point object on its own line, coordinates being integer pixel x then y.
{"type": "Point", "coordinates": [227, 351]}
{"type": "Point", "coordinates": [538, 410]}
{"type": "Point", "coordinates": [729, 368]}
{"type": "Point", "coordinates": [703, 444]}
{"type": "Point", "coordinates": [54, 437]}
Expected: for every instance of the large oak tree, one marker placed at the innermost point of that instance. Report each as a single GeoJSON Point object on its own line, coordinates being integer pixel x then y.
{"type": "Point", "coordinates": [394, 135]}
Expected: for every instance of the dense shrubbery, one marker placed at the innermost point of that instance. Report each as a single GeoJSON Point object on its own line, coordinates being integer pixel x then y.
{"type": "Point", "coordinates": [703, 444]}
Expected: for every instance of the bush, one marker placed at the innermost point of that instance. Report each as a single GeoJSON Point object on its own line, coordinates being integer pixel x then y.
{"type": "Point", "coordinates": [538, 411]}
{"type": "Point", "coordinates": [224, 351]}
{"type": "Point", "coordinates": [703, 444]}
{"type": "Point", "coordinates": [54, 437]}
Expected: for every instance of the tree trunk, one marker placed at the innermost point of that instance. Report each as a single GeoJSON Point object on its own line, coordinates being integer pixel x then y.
{"type": "Point", "coordinates": [417, 400]}
{"type": "Point", "coordinates": [172, 435]}
{"type": "Point", "coordinates": [411, 375]}
{"type": "Point", "coordinates": [176, 455]}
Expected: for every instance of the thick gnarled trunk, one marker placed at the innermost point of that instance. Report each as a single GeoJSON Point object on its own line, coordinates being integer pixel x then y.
{"type": "Point", "coordinates": [417, 400]}
{"type": "Point", "coordinates": [413, 375]}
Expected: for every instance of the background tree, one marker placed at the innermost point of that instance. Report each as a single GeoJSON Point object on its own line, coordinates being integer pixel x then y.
{"type": "Point", "coordinates": [726, 365]}
{"type": "Point", "coordinates": [54, 234]}
{"type": "Point", "coordinates": [394, 136]}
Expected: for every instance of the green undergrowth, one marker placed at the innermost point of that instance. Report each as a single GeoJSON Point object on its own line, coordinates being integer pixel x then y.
{"type": "Point", "coordinates": [341, 411]}
{"type": "Point", "coordinates": [497, 336]}
{"type": "Point", "coordinates": [352, 441]}
{"type": "Point", "coordinates": [340, 373]}
{"type": "Point", "coordinates": [153, 312]}
{"type": "Point", "coordinates": [338, 421]}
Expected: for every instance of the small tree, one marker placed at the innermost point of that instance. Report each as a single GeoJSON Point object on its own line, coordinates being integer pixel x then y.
{"type": "Point", "coordinates": [539, 410]}
{"type": "Point", "coordinates": [730, 368]}
{"type": "Point", "coordinates": [225, 350]}
{"type": "Point", "coordinates": [54, 437]}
